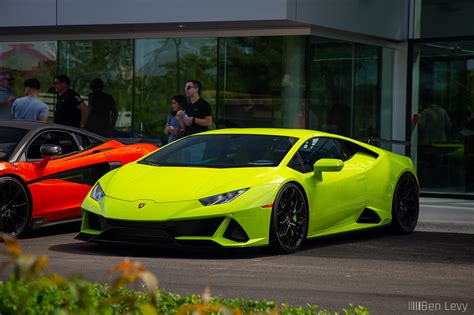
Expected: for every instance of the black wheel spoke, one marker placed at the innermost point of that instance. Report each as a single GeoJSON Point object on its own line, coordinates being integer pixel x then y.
{"type": "Point", "coordinates": [14, 209]}
{"type": "Point", "coordinates": [407, 202]}
{"type": "Point", "coordinates": [290, 213]}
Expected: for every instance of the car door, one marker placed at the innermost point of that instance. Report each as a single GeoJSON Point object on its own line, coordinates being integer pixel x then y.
{"type": "Point", "coordinates": [335, 198]}
{"type": "Point", "coordinates": [61, 184]}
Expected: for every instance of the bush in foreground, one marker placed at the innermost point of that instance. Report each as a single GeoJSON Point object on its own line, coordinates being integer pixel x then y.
{"type": "Point", "coordinates": [29, 291]}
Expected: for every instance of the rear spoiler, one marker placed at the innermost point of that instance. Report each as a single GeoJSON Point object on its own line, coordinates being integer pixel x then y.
{"type": "Point", "coordinates": [374, 141]}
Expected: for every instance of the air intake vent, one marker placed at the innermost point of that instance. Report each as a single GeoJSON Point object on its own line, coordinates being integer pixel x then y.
{"type": "Point", "coordinates": [235, 232]}
{"type": "Point", "coordinates": [368, 216]}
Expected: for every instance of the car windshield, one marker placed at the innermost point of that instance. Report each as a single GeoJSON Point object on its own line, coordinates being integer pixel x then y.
{"type": "Point", "coordinates": [223, 150]}
{"type": "Point", "coordinates": [9, 138]}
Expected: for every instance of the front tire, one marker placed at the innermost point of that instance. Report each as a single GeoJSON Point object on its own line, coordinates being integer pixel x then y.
{"type": "Point", "coordinates": [405, 205]}
{"type": "Point", "coordinates": [15, 207]}
{"type": "Point", "coordinates": [289, 219]}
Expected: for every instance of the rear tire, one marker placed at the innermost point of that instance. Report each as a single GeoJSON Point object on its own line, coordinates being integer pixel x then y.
{"type": "Point", "coordinates": [15, 208]}
{"type": "Point", "coordinates": [289, 220]}
{"type": "Point", "coordinates": [405, 205]}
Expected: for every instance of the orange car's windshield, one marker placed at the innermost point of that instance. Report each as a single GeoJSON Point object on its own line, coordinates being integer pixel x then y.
{"type": "Point", "coordinates": [9, 138]}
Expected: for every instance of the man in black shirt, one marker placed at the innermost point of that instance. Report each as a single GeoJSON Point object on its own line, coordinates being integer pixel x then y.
{"type": "Point", "coordinates": [70, 108]}
{"type": "Point", "coordinates": [103, 110]}
{"type": "Point", "coordinates": [198, 115]}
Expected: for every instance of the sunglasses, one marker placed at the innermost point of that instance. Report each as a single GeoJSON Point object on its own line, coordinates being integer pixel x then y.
{"type": "Point", "coordinates": [187, 87]}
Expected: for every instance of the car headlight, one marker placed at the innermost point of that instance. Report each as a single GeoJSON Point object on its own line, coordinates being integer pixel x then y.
{"type": "Point", "coordinates": [222, 198]}
{"type": "Point", "coordinates": [97, 193]}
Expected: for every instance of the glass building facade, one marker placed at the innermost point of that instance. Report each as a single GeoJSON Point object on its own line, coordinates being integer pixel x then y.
{"type": "Point", "coordinates": [442, 96]}
{"type": "Point", "coordinates": [266, 81]}
{"type": "Point", "coordinates": [370, 88]}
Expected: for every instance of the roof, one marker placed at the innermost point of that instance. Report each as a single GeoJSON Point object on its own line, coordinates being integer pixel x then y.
{"type": "Point", "coordinates": [38, 126]}
{"type": "Point", "coordinates": [299, 133]}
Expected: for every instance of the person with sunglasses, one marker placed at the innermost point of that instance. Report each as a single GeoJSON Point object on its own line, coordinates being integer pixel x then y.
{"type": "Point", "coordinates": [197, 114]}
{"type": "Point", "coordinates": [70, 108]}
{"type": "Point", "coordinates": [7, 95]}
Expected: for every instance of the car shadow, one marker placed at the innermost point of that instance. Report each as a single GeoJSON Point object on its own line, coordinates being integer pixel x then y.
{"type": "Point", "coordinates": [419, 246]}
{"type": "Point", "coordinates": [142, 251]}
{"type": "Point", "coordinates": [377, 244]}
{"type": "Point", "coordinates": [63, 228]}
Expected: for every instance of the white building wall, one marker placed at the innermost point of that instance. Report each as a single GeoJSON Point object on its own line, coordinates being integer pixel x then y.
{"type": "Point", "coordinates": [18, 13]}
{"type": "Point", "coordinates": [382, 19]}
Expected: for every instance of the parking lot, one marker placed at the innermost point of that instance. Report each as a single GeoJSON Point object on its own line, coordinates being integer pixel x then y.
{"type": "Point", "coordinates": [372, 268]}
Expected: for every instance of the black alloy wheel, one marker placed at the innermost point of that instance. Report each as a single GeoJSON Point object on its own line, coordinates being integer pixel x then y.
{"type": "Point", "coordinates": [289, 220]}
{"type": "Point", "coordinates": [15, 210]}
{"type": "Point", "coordinates": [406, 205]}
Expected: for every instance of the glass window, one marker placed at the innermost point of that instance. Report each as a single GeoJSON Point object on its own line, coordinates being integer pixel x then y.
{"type": "Point", "coordinates": [441, 18]}
{"type": "Point", "coordinates": [261, 82]}
{"type": "Point", "coordinates": [9, 138]}
{"type": "Point", "coordinates": [112, 62]}
{"type": "Point", "coordinates": [162, 66]}
{"type": "Point", "coordinates": [314, 150]}
{"type": "Point", "coordinates": [62, 139]}
{"type": "Point", "coordinates": [87, 142]}
{"type": "Point", "coordinates": [232, 150]}
{"type": "Point", "coordinates": [31, 59]}
{"type": "Point", "coordinates": [443, 119]}
{"type": "Point", "coordinates": [366, 92]}
{"type": "Point", "coordinates": [344, 93]}
{"type": "Point", "coordinates": [349, 149]}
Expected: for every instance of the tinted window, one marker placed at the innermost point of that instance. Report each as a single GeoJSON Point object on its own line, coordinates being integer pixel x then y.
{"type": "Point", "coordinates": [313, 150]}
{"type": "Point", "coordinates": [348, 148]}
{"type": "Point", "coordinates": [87, 142]}
{"type": "Point", "coordinates": [224, 151]}
{"type": "Point", "coordinates": [9, 138]}
{"type": "Point", "coordinates": [64, 140]}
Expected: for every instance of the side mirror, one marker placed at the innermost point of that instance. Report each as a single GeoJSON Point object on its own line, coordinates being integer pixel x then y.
{"type": "Point", "coordinates": [50, 150]}
{"type": "Point", "coordinates": [328, 165]}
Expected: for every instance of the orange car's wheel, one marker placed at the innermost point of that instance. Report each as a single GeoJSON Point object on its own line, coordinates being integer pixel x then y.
{"type": "Point", "coordinates": [289, 221]}
{"type": "Point", "coordinates": [15, 208]}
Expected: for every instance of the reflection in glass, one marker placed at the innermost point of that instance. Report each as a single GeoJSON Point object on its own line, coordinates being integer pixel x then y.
{"type": "Point", "coordinates": [443, 104]}
{"type": "Point", "coordinates": [344, 93]}
{"type": "Point", "coordinates": [109, 60]}
{"type": "Point", "coordinates": [162, 66]}
{"type": "Point", "coordinates": [261, 82]}
{"type": "Point", "coordinates": [31, 59]}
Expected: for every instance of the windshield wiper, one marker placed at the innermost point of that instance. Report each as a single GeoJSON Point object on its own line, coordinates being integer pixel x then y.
{"type": "Point", "coordinates": [261, 163]}
{"type": "Point", "coordinates": [149, 163]}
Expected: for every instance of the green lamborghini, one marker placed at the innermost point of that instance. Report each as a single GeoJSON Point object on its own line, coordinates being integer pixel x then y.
{"type": "Point", "coordinates": [252, 187]}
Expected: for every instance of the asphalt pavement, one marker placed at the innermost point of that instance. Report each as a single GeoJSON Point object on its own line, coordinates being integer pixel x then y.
{"type": "Point", "coordinates": [387, 273]}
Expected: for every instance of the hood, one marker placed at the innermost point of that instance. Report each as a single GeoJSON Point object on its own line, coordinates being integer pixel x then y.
{"type": "Point", "coordinates": [136, 181]}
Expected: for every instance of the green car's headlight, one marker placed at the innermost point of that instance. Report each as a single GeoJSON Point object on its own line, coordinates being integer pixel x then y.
{"type": "Point", "coordinates": [222, 198]}
{"type": "Point", "coordinates": [97, 193]}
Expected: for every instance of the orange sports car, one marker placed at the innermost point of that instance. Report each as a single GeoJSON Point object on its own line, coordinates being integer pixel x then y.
{"type": "Point", "coordinates": [46, 170]}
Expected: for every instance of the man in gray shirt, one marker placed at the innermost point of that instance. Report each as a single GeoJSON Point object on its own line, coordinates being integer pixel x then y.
{"type": "Point", "coordinates": [7, 95]}
{"type": "Point", "coordinates": [30, 107]}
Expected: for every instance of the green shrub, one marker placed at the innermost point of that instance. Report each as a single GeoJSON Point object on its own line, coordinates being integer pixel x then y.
{"type": "Point", "coordinates": [29, 291]}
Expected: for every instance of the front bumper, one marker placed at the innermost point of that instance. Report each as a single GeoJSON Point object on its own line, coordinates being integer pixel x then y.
{"type": "Point", "coordinates": [181, 224]}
